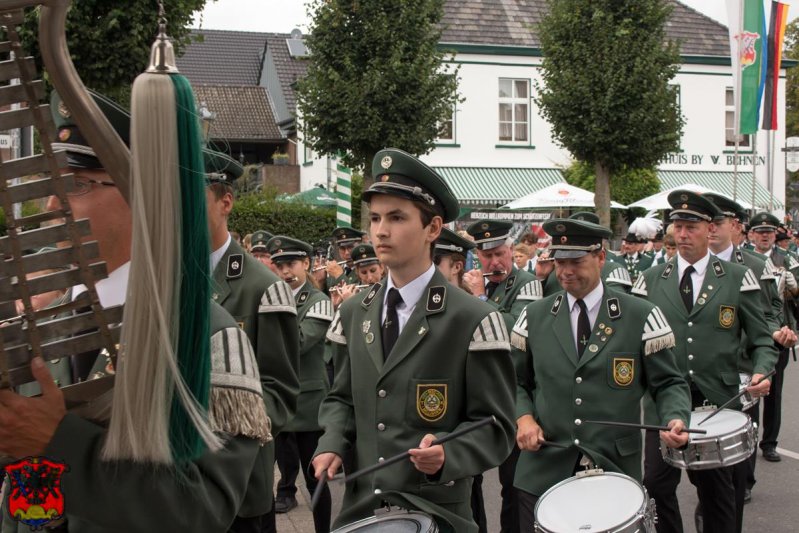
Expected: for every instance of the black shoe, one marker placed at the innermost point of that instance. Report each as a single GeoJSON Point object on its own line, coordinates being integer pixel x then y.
{"type": "Point", "coordinates": [699, 520]}
{"type": "Point", "coordinates": [747, 495]}
{"type": "Point", "coordinates": [770, 454]}
{"type": "Point", "coordinates": [284, 504]}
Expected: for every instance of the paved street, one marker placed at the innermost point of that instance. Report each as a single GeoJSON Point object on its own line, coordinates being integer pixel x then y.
{"type": "Point", "coordinates": [774, 502]}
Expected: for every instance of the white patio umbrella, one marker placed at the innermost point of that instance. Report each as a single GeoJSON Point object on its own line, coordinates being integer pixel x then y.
{"type": "Point", "coordinates": [660, 200]}
{"type": "Point", "coordinates": [558, 195]}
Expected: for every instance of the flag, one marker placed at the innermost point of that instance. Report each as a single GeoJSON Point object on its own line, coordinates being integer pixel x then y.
{"type": "Point", "coordinates": [779, 17]}
{"type": "Point", "coordinates": [746, 26]}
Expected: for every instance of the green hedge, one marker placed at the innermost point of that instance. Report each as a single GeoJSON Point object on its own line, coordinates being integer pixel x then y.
{"type": "Point", "coordinates": [256, 211]}
{"type": "Point", "coordinates": [29, 208]}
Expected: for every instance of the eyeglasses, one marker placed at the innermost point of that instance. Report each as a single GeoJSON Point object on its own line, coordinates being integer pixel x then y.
{"type": "Point", "coordinates": [83, 185]}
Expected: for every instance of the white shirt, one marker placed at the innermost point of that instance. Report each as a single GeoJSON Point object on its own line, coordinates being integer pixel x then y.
{"type": "Point", "coordinates": [726, 255]}
{"type": "Point", "coordinates": [216, 255]}
{"type": "Point", "coordinates": [697, 276]}
{"type": "Point", "coordinates": [111, 290]}
{"type": "Point", "coordinates": [592, 301]}
{"type": "Point", "coordinates": [411, 293]}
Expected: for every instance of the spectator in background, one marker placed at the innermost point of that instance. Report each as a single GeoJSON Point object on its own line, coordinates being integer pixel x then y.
{"type": "Point", "coordinates": [522, 256]}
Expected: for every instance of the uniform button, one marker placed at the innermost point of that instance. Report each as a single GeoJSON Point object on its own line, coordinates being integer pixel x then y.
{"type": "Point", "coordinates": [381, 427]}
{"type": "Point", "coordinates": [578, 380]}
{"type": "Point", "coordinates": [381, 393]}
{"type": "Point", "coordinates": [577, 421]}
{"type": "Point", "coordinates": [690, 324]}
{"type": "Point", "coordinates": [690, 357]}
{"type": "Point", "coordinates": [380, 459]}
{"type": "Point", "coordinates": [378, 491]}
{"type": "Point", "coordinates": [578, 401]}
{"type": "Point", "coordinates": [690, 372]}
{"type": "Point", "coordinates": [54, 361]}
{"type": "Point", "coordinates": [449, 484]}
{"type": "Point", "coordinates": [576, 442]}
{"type": "Point", "coordinates": [690, 340]}
{"type": "Point", "coordinates": [215, 296]}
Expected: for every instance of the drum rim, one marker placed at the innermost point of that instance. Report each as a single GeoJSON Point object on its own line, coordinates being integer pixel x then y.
{"type": "Point", "coordinates": [697, 438]}
{"type": "Point", "coordinates": [394, 513]}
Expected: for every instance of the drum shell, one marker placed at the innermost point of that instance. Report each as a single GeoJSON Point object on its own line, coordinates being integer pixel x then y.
{"type": "Point", "coordinates": [705, 452]}
{"type": "Point", "coordinates": [417, 522]}
{"type": "Point", "coordinates": [643, 521]}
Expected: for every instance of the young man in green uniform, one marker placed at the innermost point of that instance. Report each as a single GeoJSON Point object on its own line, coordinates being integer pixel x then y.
{"type": "Point", "coordinates": [415, 359]}
{"type": "Point", "coordinates": [509, 289]}
{"type": "Point", "coordinates": [709, 304]}
{"type": "Point", "coordinates": [635, 260]}
{"type": "Point", "coordinates": [262, 305]}
{"type": "Point", "coordinates": [314, 313]}
{"type": "Point", "coordinates": [589, 353]}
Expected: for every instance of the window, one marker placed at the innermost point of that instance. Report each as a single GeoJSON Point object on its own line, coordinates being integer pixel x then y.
{"type": "Point", "coordinates": [729, 122]}
{"type": "Point", "coordinates": [514, 110]}
{"type": "Point", "coordinates": [446, 128]}
{"type": "Point", "coordinates": [308, 153]}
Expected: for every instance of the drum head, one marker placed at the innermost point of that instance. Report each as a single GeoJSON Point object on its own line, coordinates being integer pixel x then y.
{"type": "Point", "coordinates": [724, 423]}
{"type": "Point", "coordinates": [590, 503]}
{"type": "Point", "coordinates": [393, 522]}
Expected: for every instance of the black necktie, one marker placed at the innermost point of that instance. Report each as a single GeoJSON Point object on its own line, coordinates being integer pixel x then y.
{"type": "Point", "coordinates": [391, 324]}
{"type": "Point", "coordinates": [491, 286]}
{"type": "Point", "coordinates": [583, 328]}
{"type": "Point", "coordinates": [687, 288]}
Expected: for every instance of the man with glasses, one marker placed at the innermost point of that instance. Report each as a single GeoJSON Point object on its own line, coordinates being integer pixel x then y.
{"type": "Point", "coordinates": [341, 271]}
{"type": "Point", "coordinates": [259, 250]}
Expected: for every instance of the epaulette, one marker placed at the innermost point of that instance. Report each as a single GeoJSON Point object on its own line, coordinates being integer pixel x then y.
{"type": "Point", "coordinates": [278, 299]}
{"type": "Point", "coordinates": [769, 270]}
{"type": "Point", "coordinates": [640, 287]}
{"type": "Point", "coordinates": [236, 405]}
{"type": "Point", "coordinates": [749, 282]}
{"type": "Point", "coordinates": [490, 334]}
{"type": "Point", "coordinates": [619, 276]}
{"type": "Point", "coordinates": [322, 310]}
{"type": "Point", "coordinates": [518, 337]}
{"type": "Point", "coordinates": [657, 333]}
{"type": "Point", "coordinates": [532, 291]}
{"type": "Point", "coordinates": [335, 333]}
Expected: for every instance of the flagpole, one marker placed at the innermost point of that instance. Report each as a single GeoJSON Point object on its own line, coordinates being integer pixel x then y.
{"type": "Point", "coordinates": [754, 168]}
{"type": "Point", "coordinates": [737, 96]}
{"type": "Point", "coordinates": [771, 170]}
{"type": "Point", "coordinates": [735, 172]}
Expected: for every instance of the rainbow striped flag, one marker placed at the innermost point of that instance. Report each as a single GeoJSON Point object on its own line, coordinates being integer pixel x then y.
{"type": "Point", "coordinates": [747, 23]}
{"type": "Point", "coordinates": [776, 36]}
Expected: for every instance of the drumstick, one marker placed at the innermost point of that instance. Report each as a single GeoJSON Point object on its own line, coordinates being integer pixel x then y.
{"type": "Point", "coordinates": [399, 457]}
{"type": "Point", "coordinates": [736, 397]}
{"type": "Point", "coordinates": [317, 493]}
{"type": "Point", "coordinates": [642, 426]}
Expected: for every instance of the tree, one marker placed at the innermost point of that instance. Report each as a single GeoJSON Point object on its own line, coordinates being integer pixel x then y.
{"type": "Point", "coordinates": [792, 81]}
{"type": "Point", "coordinates": [109, 40]}
{"type": "Point", "coordinates": [605, 85]}
{"type": "Point", "coordinates": [375, 78]}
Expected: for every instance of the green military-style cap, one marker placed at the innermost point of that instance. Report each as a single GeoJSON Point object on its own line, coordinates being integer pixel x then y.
{"type": "Point", "coordinates": [783, 233]}
{"type": "Point", "coordinates": [764, 222]}
{"type": "Point", "coordinates": [220, 167]}
{"type": "Point", "coordinates": [450, 242]}
{"type": "Point", "coordinates": [728, 207]}
{"type": "Point", "coordinates": [346, 235]}
{"type": "Point", "coordinates": [70, 139]}
{"type": "Point", "coordinates": [586, 216]}
{"type": "Point", "coordinates": [398, 173]}
{"type": "Point", "coordinates": [691, 207]}
{"type": "Point", "coordinates": [632, 238]}
{"type": "Point", "coordinates": [574, 238]}
{"type": "Point", "coordinates": [364, 254]}
{"type": "Point", "coordinates": [259, 240]}
{"type": "Point", "coordinates": [488, 234]}
{"type": "Point", "coordinates": [283, 248]}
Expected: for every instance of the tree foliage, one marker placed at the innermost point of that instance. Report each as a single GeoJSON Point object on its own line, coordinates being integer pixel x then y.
{"type": "Point", "coordinates": [628, 184]}
{"type": "Point", "coordinates": [605, 85]}
{"type": "Point", "coordinates": [375, 78]}
{"type": "Point", "coordinates": [109, 40]}
{"type": "Point", "coordinates": [792, 81]}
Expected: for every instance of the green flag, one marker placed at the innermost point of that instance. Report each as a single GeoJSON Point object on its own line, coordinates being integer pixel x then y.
{"type": "Point", "coordinates": [747, 20]}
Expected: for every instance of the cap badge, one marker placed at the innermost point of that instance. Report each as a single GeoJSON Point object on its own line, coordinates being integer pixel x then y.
{"type": "Point", "coordinates": [63, 110]}
{"type": "Point", "coordinates": [685, 206]}
{"type": "Point", "coordinates": [386, 162]}
{"type": "Point", "coordinates": [684, 197]}
{"type": "Point", "coordinates": [560, 227]}
{"type": "Point", "coordinates": [487, 234]}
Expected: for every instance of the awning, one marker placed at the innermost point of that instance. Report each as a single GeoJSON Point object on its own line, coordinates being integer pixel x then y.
{"type": "Point", "coordinates": [721, 182]}
{"type": "Point", "coordinates": [492, 186]}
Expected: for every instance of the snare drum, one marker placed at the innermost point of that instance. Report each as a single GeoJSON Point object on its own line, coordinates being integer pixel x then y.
{"type": "Point", "coordinates": [747, 400]}
{"type": "Point", "coordinates": [731, 437]}
{"type": "Point", "coordinates": [596, 501]}
{"type": "Point", "coordinates": [395, 520]}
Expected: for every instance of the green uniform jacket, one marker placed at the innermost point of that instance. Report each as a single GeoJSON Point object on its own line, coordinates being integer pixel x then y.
{"type": "Point", "coordinates": [709, 337]}
{"type": "Point", "coordinates": [512, 295]}
{"type": "Point", "coordinates": [450, 366]}
{"type": "Point", "coordinates": [629, 353]}
{"type": "Point", "coordinates": [262, 305]}
{"type": "Point", "coordinates": [103, 497]}
{"type": "Point", "coordinates": [613, 274]}
{"type": "Point", "coordinates": [636, 266]}
{"type": "Point", "coordinates": [314, 313]}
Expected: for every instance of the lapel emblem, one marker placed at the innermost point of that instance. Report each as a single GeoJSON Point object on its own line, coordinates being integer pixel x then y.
{"type": "Point", "coordinates": [302, 297]}
{"type": "Point", "coordinates": [422, 331]}
{"type": "Point", "coordinates": [510, 282]}
{"type": "Point", "coordinates": [593, 348]}
{"type": "Point", "coordinates": [431, 401]}
{"type": "Point", "coordinates": [370, 338]}
{"type": "Point", "coordinates": [235, 266]}
{"type": "Point", "coordinates": [556, 305]}
{"type": "Point", "coordinates": [701, 301]}
{"type": "Point", "coordinates": [435, 298]}
{"type": "Point", "coordinates": [726, 316]}
{"type": "Point", "coordinates": [623, 371]}
{"type": "Point", "coordinates": [367, 301]}
{"type": "Point", "coordinates": [608, 331]}
{"type": "Point", "coordinates": [667, 271]}
{"type": "Point", "coordinates": [366, 326]}
{"type": "Point", "coordinates": [739, 257]}
{"type": "Point", "coordinates": [718, 269]}
{"type": "Point", "coordinates": [614, 308]}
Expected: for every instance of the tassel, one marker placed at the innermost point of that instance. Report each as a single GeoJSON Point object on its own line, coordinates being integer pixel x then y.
{"type": "Point", "coordinates": [160, 407]}
{"type": "Point", "coordinates": [240, 412]}
{"type": "Point", "coordinates": [660, 343]}
{"type": "Point", "coordinates": [518, 341]}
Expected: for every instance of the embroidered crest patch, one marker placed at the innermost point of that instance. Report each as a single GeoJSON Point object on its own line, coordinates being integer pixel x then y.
{"type": "Point", "coordinates": [623, 371]}
{"type": "Point", "coordinates": [726, 316]}
{"type": "Point", "coordinates": [431, 401]}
